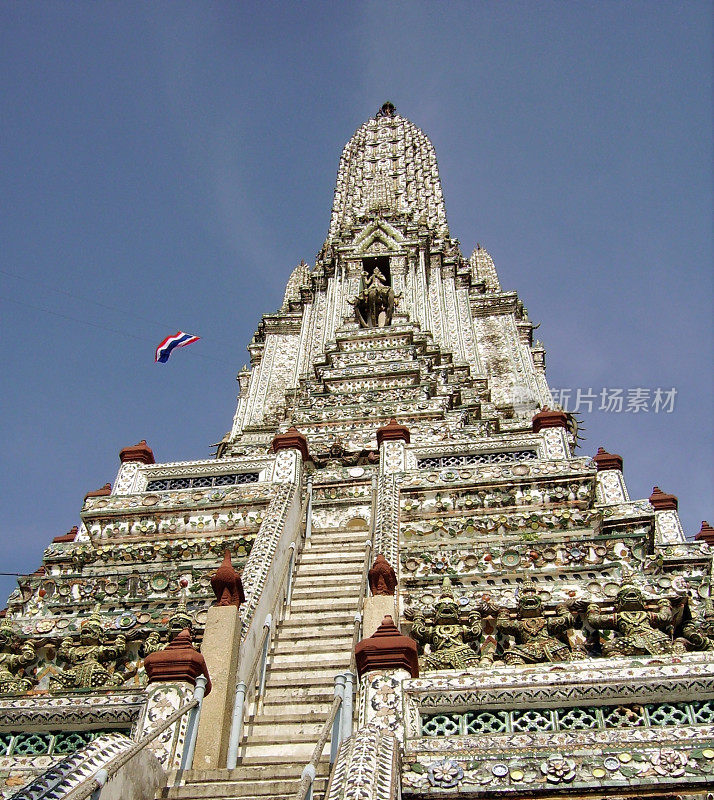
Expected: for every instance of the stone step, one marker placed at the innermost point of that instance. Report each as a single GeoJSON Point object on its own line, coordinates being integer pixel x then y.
{"type": "Point", "coordinates": [281, 675]}
{"type": "Point", "coordinates": [302, 620]}
{"type": "Point", "coordinates": [350, 539]}
{"type": "Point", "coordinates": [316, 604]}
{"type": "Point", "coordinates": [278, 769]}
{"type": "Point", "coordinates": [264, 752]}
{"type": "Point", "coordinates": [275, 730]}
{"type": "Point", "coordinates": [350, 589]}
{"type": "Point", "coordinates": [304, 646]}
{"type": "Point", "coordinates": [281, 694]}
{"type": "Point", "coordinates": [308, 578]}
{"type": "Point", "coordinates": [280, 789]}
{"type": "Point", "coordinates": [337, 555]}
{"type": "Point", "coordinates": [278, 759]}
{"type": "Point", "coordinates": [338, 568]}
{"type": "Point", "coordinates": [330, 547]}
{"type": "Point", "coordinates": [309, 711]}
{"type": "Point", "coordinates": [302, 631]}
{"type": "Point", "coordinates": [307, 659]}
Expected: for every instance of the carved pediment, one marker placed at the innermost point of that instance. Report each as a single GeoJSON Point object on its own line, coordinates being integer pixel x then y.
{"type": "Point", "coordinates": [378, 237]}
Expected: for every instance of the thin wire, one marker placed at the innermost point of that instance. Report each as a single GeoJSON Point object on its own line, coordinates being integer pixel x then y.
{"type": "Point", "coordinates": [83, 299]}
{"type": "Point", "coordinates": [104, 327]}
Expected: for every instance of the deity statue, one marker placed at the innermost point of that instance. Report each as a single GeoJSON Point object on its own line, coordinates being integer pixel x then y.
{"type": "Point", "coordinates": [338, 453]}
{"type": "Point", "coordinates": [699, 632]}
{"type": "Point", "coordinates": [374, 305]}
{"type": "Point", "coordinates": [14, 656]}
{"type": "Point", "coordinates": [178, 621]}
{"type": "Point", "coordinates": [639, 630]}
{"type": "Point", "coordinates": [448, 637]}
{"type": "Point", "coordinates": [88, 658]}
{"type": "Point", "coordinates": [535, 634]}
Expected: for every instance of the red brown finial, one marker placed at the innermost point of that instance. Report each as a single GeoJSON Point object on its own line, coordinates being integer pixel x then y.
{"type": "Point", "coordinates": [103, 492]}
{"type": "Point", "coordinates": [706, 533]}
{"type": "Point", "coordinates": [546, 418]}
{"type": "Point", "coordinates": [387, 649]}
{"type": "Point", "coordinates": [67, 537]}
{"type": "Point", "coordinates": [661, 501]}
{"type": "Point", "coordinates": [177, 662]}
{"type": "Point", "coordinates": [604, 460]}
{"type": "Point", "coordinates": [226, 584]}
{"type": "Point", "coordinates": [291, 439]}
{"type": "Point", "coordinates": [140, 452]}
{"type": "Point", "coordinates": [393, 432]}
{"type": "Point", "coordinates": [382, 578]}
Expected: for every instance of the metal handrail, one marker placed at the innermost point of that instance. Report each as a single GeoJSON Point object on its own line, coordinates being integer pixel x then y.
{"type": "Point", "coordinates": [341, 729]}
{"type": "Point", "coordinates": [362, 592]}
{"type": "Point", "coordinates": [289, 567]}
{"type": "Point", "coordinates": [368, 545]}
{"type": "Point", "coordinates": [261, 656]}
{"type": "Point", "coordinates": [86, 788]}
{"type": "Point", "coordinates": [331, 725]}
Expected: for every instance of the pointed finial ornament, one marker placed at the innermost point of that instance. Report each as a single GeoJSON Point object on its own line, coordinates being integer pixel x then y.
{"type": "Point", "coordinates": [382, 578]}
{"type": "Point", "coordinates": [706, 533]}
{"type": "Point", "coordinates": [387, 110]}
{"type": "Point", "coordinates": [604, 460]}
{"type": "Point", "coordinates": [661, 501]}
{"type": "Point", "coordinates": [386, 649]}
{"type": "Point", "coordinates": [177, 663]}
{"type": "Point", "coordinates": [226, 584]}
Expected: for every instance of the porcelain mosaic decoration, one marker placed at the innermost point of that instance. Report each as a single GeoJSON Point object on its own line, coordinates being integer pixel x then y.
{"type": "Point", "coordinates": [565, 632]}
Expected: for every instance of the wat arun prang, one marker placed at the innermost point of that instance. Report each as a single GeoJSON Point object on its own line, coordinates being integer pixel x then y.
{"type": "Point", "coordinates": [530, 630]}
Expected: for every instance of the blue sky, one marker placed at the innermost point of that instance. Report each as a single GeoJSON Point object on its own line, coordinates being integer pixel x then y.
{"type": "Point", "coordinates": [165, 165]}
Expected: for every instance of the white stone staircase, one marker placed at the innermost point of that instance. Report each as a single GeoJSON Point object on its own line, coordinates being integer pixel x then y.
{"type": "Point", "coordinates": [311, 646]}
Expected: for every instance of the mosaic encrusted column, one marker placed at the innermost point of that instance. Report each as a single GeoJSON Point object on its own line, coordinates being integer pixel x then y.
{"type": "Point", "coordinates": [291, 452]}
{"type": "Point", "coordinates": [610, 485]}
{"type": "Point", "coordinates": [162, 700]}
{"type": "Point", "coordinates": [668, 528]}
{"type": "Point", "coordinates": [367, 767]}
{"type": "Point", "coordinates": [131, 459]}
{"type": "Point", "coordinates": [392, 440]}
{"type": "Point", "coordinates": [553, 425]}
{"type": "Point", "coordinates": [172, 674]}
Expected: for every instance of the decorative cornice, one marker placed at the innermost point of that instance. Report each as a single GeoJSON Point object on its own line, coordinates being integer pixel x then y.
{"type": "Point", "coordinates": [546, 418]}
{"type": "Point", "coordinates": [67, 537]}
{"type": "Point", "coordinates": [604, 460]}
{"type": "Point", "coordinates": [393, 432]}
{"type": "Point", "coordinates": [661, 501]}
{"type": "Point", "coordinates": [706, 533]}
{"type": "Point", "coordinates": [176, 663]}
{"type": "Point", "coordinates": [387, 649]}
{"type": "Point", "coordinates": [138, 452]}
{"type": "Point", "coordinates": [292, 439]}
{"type": "Point", "coordinates": [105, 491]}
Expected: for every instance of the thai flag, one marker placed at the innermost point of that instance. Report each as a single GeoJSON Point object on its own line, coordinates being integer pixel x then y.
{"type": "Point", "coordinates": [179, 339]}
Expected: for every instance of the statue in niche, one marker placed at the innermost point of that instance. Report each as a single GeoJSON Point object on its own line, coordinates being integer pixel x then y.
{"type": "Point", "coordinates": [699, 632]}
{"type": "Point", "coordinates": [448, 638]}
{"type": "Point", "coordinates": [15, 655]}
{"type": "Point", "coordinates": [374, 305]}
{"type": "Point", "coordinates": [337, 453]}
{"type": "Point", "coordinates": [535, 634]}
{"type": "Point", "coordinates": [93, 664]}
{"type": "Point", "coordinates": [640, 631]}
{"type": "Point", "coordinates": [179, 620]}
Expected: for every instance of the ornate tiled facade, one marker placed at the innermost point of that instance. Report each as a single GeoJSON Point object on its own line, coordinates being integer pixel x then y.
{"type": "Point", "coordinates": [565, 630]}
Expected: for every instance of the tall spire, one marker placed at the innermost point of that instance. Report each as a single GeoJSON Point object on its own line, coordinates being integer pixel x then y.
{"type": "Point", "coordinates": [388, 164]}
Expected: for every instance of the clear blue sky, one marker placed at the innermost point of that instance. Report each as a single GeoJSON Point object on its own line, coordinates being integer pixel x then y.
{"type": "Point", "coordinates": [164, 165]}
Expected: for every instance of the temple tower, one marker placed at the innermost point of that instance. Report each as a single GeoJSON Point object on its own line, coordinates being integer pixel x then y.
{"type": "Point", "coordinates": [399, 573]}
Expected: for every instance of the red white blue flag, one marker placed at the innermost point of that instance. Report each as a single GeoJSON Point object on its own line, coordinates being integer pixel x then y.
{"type": "Point", "coordinates": [179, 339]}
